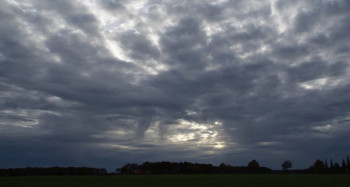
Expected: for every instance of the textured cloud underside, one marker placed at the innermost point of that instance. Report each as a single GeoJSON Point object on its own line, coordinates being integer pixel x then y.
{"type": "Point", "coordinates": [173, 80]}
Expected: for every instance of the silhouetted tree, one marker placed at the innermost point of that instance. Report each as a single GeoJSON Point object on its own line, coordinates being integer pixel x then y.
{"type": "Point", "coordinates": [317, 167]}
{"type": "Point", "coordinates": [337, 168]}
{"type": "Point", "coordinates": [347, 164]}
{"type": "Point", "coordinates": [343, 165]}
{"type": "Point", "coordinates": [128, 168]}
{"type": "Point", "coordinates": [223, 168]}
{"type": "Point", "coordinates": [286, 165]}
{"type": "Point", "coordinates": [253, 164]}
{"type": "Point", "coordinates": [189, 168]}
{"type": "Point", "coordinates": [326, 164]}
{"type": "Point", "coordinates": [331, 165]}
{"type": "Point", "coordinates": [33, 171]}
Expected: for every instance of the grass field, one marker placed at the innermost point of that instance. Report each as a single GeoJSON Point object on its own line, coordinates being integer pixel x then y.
{"type": "Point", "coordinates": [179, 180]}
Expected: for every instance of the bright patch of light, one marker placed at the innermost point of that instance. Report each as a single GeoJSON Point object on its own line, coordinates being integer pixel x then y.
{"type": "Point", "coordinates": [220, 145]}
{"type": "Point", "coordinates": [136, 6]}
{"type": "Point", "coordinates": [218, 2]}
{"type": "Point", "coordinates": [134, 18]}
{"type": "Point", "coordinates": [116, 50]}
{"type": "Point", "coordinates": [191, 125]}
{"type": "Point", "coordinates": [191, 113]}
{"type": "Point", "coordinates": [117, 146]}
{"type": "Point", "coordinates": [154, 38]}
{"type": "Point", "coordinates": [314, 84]}
{"type": "Point", "coordinates": [182, 137]}
{"type": "Point", "coordinates": [54, 99]}
{"type": "Point", "coordinates": [321, 83]}
{"type": "Point", "coordinates": [264, 49]}
{"type": "Point", "coordinates": [283, 18]}
{"type": "Point", "coordinates": [186, 133]}
{"type": "Point", "coordinates": [153, 67]}
{"type": "Point", "coordinates": [211, 29]}
{"type": "Point", "coordinates": [323, 128]}
{"type": "Point", "coordinates": [60, 102]}
{"type": "Point", "coordinates": [268, 143]}
{"type": "Point", "coordinates": [108, 24]}
{"type": "Point", "coordinates": [196, 134]}
{"type": "Point", "coordinates": [23, 117]}
{"type": "Point", "coordinates": [115, 134]}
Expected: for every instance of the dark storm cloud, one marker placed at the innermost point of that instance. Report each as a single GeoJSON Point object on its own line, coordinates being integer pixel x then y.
{"type": "Point", "coordinates": [138, 46]}
{"type": "Point", "coordinates": [86, 22]}
{"type": "Point", "coordinates": [185, 45]}
{"type": "Point", "coordinates": [113, 5]}
{"type": "Point", "coordinates": [316, 69]}
{"type": "Point", "coordinates": [253, 79]}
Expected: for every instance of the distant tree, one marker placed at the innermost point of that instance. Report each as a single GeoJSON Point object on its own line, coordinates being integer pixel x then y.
{"type": "Point", "coordinates": [326, 164]}
{"type": "Point", "coordinates": [343, 165]}
{"type": "Point", "coordinates": [331, 165]}
{"type": "Point", "coordinates": [34, 171]}
{"type": "Point", "coordinates": [253, 164]}
{"type": "Point", "coordinates": [337, 168]}
{"type": "Point", "coordinates": [318, 167]}
{"type": "Point", "coordinates": [319, 164]}
{"type": "Point", "coordinates": [222, 165]}
{"type": "Point", "coordinates": [286, 165]}
{"type": "Point", "coordinates": [127, 169]}
{"type": "Point", "coordinates": [336, 165]}
{"type": "Point", "coordinates": [347, 164]}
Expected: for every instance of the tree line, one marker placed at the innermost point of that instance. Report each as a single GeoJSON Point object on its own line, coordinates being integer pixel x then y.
{"type": "Point", "coordinates": [190, 168]}
{"type": "Point", "coordinates": [319, 166]}
{"type": "Point", "coordinates": [253, 166]}
{"type": "Point", "coordinates": [330, 167]}
{"type": "Point", "coordinates": [36, 171]}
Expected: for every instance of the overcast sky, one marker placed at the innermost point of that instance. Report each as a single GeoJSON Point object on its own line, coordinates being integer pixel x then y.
{"type": "Point", "coordinates": [100, 83]}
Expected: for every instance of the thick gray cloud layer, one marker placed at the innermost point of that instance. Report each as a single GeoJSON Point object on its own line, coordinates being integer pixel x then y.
{"type": "Point", "coordinates": [101, 83]}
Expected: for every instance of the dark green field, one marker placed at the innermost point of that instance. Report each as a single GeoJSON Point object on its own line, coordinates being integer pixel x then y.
{"type": "Point", "coordinates": [179, 180]}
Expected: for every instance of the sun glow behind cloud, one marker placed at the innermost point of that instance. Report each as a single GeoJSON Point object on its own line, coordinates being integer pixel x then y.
{"type": "Point", "coordinates": [187, 133]}
{"type": "Point", "coordinates": [203, 138]}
